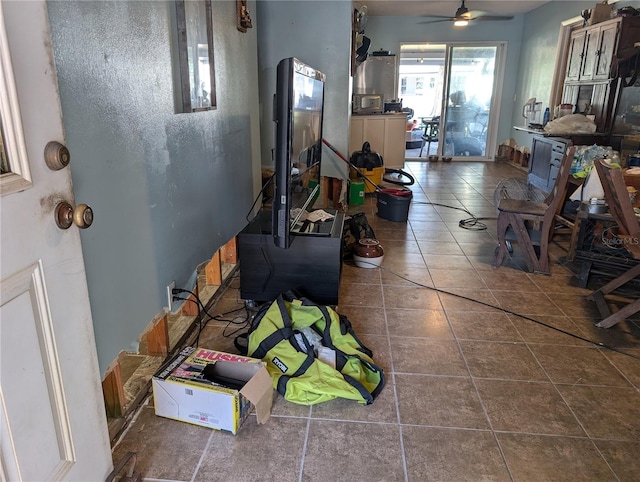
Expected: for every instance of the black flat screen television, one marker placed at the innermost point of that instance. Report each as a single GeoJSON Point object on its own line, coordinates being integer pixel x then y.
{"type": "Point", "coordinates": [298, 112]}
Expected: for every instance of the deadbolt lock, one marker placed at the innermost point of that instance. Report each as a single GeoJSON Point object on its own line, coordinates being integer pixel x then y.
{"type": "Point", "coordinates": [66, 215]}
{"type": "Point", "coordinates": [56, 156]}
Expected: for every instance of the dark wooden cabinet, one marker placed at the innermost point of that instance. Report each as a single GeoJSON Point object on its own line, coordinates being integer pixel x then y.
{"type": "Point", "coordinates": [312, 265]}
{"type": "Point", "coordinates": [597, 53]}
{"type": "Point", "coordinates": [591, 49]}
{"type": "Point", "coordinates": [588, 84]}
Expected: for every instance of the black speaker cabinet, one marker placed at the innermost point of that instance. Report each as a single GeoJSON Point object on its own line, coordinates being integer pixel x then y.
{"type": "Point", "coordinates": [311, 265]}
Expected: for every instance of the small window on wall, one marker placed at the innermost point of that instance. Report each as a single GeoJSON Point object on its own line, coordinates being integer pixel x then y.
{"type": "Point", "coordinates": [194, 19]}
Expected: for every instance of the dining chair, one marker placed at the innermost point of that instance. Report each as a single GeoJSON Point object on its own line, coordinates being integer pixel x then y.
{"type": "Point", "coordinates": [628, 235]}
{"type": "Point", "coordinates": [430, 134]}
{"type": "Point", "coordinates": [530, 224]}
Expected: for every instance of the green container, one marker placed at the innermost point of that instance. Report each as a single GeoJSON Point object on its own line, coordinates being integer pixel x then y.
{"type": "Point", "coordinates": [356, 191]}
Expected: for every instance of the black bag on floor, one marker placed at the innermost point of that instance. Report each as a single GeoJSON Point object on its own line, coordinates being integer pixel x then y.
{"type": "Point", "coordinates": [355, 228]}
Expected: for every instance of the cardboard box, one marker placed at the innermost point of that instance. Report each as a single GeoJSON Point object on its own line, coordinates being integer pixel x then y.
{"type": "Point", "coordinates": [600, 13]}
{"type": "Point", "coordinates": [212, 389]}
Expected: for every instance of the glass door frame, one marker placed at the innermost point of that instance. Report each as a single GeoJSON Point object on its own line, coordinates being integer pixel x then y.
{"type": "Point", "coordinates": [496, 98]}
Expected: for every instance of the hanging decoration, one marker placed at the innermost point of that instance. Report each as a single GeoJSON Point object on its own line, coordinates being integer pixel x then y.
{"type": "Point", "coordinates": [244, 19]}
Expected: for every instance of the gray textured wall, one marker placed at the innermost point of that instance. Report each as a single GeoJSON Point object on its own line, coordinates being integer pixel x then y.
{"type": "Point", "coordinates": [167, 189]}
{"type": "Point", "coordinates": [318, 33]}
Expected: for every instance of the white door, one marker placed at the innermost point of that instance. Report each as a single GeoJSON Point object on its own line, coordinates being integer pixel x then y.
{"type": "Point", "coordinates": [52, 417]}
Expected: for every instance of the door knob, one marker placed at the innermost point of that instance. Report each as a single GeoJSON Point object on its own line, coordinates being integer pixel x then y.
{"type": "Point", "coordinates": [56, 156]}
{"type": "Point", "coordinates": [66, 215]}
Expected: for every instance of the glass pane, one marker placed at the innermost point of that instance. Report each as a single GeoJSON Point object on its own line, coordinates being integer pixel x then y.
{"type": "Point", "coordinates": [198, 54]}
{"type": "Point", "coordinates": [195, 52]}
{"type": "Point", "coordinates": [421, 86]}
{"type": "Point", "coordinates": [4, 161]}
{"type": "Point", "coordinates": [471, 79]}
{"type": "Point", "coordinates": [421, 78]}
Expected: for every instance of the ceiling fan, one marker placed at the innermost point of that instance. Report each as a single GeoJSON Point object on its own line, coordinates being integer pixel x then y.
{"type": "Point", "coordinates": [463, 16]}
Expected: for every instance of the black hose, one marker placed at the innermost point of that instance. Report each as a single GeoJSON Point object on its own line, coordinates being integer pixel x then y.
{"type": "Point", "coordinates": [388, 177]}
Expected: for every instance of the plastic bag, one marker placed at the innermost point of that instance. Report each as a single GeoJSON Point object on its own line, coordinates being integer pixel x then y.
{"type": "Point", "coordinates": [571, 124]}
{"type": "Point", "coordinates": [585, 156]}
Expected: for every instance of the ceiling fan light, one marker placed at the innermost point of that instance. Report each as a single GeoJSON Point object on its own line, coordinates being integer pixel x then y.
{"type": "Point", "coordinates": [461, 22]}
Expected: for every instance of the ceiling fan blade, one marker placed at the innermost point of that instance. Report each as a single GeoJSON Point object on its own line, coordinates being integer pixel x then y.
{"type": "Point", "coordinates": [493, 17]}
{"type": "Point", "coordinates": [444, 19]}
{"type": "Point", "coordinates": [436, 16]}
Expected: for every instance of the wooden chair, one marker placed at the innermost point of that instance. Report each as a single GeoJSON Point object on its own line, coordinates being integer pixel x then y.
{"type": "Point", "coordinates": [620, 208]}
{"type": "Point", "coordinates": [531, 223]}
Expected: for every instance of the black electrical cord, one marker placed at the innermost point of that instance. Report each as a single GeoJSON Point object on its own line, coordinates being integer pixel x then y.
{"type": "Point", "coordinates": [528, 318]}
{"type": "Point", "coordinates": [259, 196]}
{"type": "Point", "coordinates": [243, 324]}
{"type": "Point", "coordinates": [473, 223]}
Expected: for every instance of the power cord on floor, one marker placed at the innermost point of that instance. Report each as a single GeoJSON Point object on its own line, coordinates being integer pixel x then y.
{"type": "Point", "coordinates": [244, 323]}
{"type": "Point", "coordinates": [489, 305]}
{"type": "Point", "coordinates": [473, 223]}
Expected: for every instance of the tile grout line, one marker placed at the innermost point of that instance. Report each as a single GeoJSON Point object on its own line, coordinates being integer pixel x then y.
{"type": "Point", "coordinates": [304, 444]}
{"type": "Point", "coordinates": [395, 389]}
{"type": "Point", "coordinates": [204, 452]}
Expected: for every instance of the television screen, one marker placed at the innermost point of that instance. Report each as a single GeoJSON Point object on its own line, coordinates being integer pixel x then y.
{"type": "Point", "coordinates": [298, 110]}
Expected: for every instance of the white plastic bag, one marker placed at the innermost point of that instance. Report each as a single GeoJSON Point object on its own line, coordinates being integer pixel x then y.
{"type": "Point", "coordinates": [571, 124]}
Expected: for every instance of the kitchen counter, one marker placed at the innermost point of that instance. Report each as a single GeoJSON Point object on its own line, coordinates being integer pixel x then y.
{"type": "Point", "coordinates": [542, 132]}
{"type": "Point", "coordinates": [577, 138]}
{"type": "Point", "coordinates": [358, 114]}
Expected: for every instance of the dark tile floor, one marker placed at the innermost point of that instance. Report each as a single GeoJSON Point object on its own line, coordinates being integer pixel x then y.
{"type": "Point", "coordinates": [473, 393]}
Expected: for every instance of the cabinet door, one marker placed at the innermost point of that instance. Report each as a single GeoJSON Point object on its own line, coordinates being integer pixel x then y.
{"type": "Point", "coordinates": [356, 134]}
{"type": "Point", "coordinates": [590, 53]}
{"type": "Point", "coordinates": [395, 142]}
{"type": "Point", "coordinates": [574, 61]}
{"type": "Point", "coordinates": [570, 94]}
{"type": "Point", "coordinates": [599, 105]}
{"type": "Point", "coordinates": [374, 134]}
{"type": "Point", "coordinates": [604, 54]}
{"type": "Point", "coordinates": [554, 169]}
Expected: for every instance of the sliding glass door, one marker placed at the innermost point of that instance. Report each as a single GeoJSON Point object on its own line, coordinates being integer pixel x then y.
{"type": "Point", "coordinates": [471, 75]}
{"type": "Point", "coordinates": [455, 86]}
